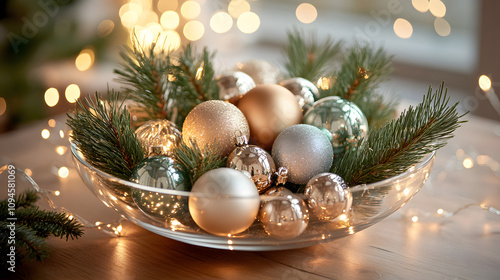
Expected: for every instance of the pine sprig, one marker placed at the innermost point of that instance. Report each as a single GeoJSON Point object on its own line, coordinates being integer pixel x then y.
{"type": "Point", "coordinates": [193, 82]}
{"type": "Point", "coordinates": [146, 75]}
{"type": "Point", "coordinates": [102, 132]}
{"type": "Point", "coordinates": [309, 60]}
{"type": "Point", "coordinates": [377, 109]}
{"type": "Point", "coordinates": [194, 162]}
{"type": "Point", "coordinates": [401, 143]}
{"type": "Point", "coordinates": [362, 70]}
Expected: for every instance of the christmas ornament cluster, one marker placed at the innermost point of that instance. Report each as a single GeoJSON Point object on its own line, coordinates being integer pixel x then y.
{"type": "Point", "coordinates": [280, 140]}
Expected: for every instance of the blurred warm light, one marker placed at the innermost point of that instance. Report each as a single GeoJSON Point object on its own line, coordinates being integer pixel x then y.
{"type": "Point", "coordinates": [147, 17]}
{"type": "Point", "coordinates": [85, 59]}
{"type": "Point", "coordinates": [28, 172]}
{"type": "Point", "coordinates": [468, 163]}
{"type": "Point", "coordinates": [3, 106]}
{"type": "Point", "coordinates": [414, 219]}
{"type": "Point", "coordinates": [57, 193]}
{"type": "Point", "coordinates": [199, 73]}
{"type": "Point", "coordinates": [248, 22]}
{"type": "Point", "coordinates": [137, 8]}
{"type": "Point", "coordinates": [63, 172]}
{"type": "Point", "coordinates": [165, 5]}
{"type": "Point", "coordinates": [52, 123]}
{"type": "Point", "coordinates": [193, 30]}
{"type": "Point", "coordinates": [72, 93]}
{"type": "Point", "coordinates": [343, 217]}
{"type": "Point", "coordinates": [45, 134]}
{"type": "Point", "coordinates": [105, 28]}
{"type": "Point", "coordinates": [61, 133]}
{"type": "Point", "coordinates": [306, 13]}
{"type": "Point", "coordinates": [484, 83]}
{"type": "Point", "coordinates": [324, 83]}
{"type": "Point", "coordinates": [129, 18]}
{"type": "Point", "coordinates": [61, 150]}
{"type": "Point", "coordinates": [403, 28]}
{"type": "Point", "coordinates": [442, 27]}
{"type": "Point", "coordinates": [437, 8]}
{"type": "Point", "coordinates": [221, 22]}
{"type": "Point", "coordinates": [168, 41]}
{"type": "Point", "coordinates": [190, 10]}
{"type": "Point", "coordinates": [51, 97]}
{"type": "Point", "coordinates": [238, 7]}
{"type": "Point", "coordinates": [169, 20]}
{"type": "Point", "coordinates": [420, 5]}
{"type": "Point", "coordinates": [482, 159]}
{"type": "Point", "coordinates": [440, 211]}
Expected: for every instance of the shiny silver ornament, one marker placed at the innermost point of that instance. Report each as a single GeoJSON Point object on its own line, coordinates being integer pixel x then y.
{"type": "Point", "coordinates": [283, 214]}
{"type": "Point", "coordinates": [159, 172]}
{"type": "Point", "coordinates": [158, 137]}
{"type": "Point", "coordinates": [341, 119]}
{"type": "Point", "coordinates": [304, 90]}
{"type": "Point", "coordinates": [261, 71]}
{"type": "Point", "coordinates": [254, 160]}
{"type": "Point", "coordinates": [305, 150]}
{"type": "Point", "coordinates": [327, 196]}
{"type": "Point", "coordinates": [232, 85]}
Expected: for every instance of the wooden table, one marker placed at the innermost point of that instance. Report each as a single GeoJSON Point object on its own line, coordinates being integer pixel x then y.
{"type": "Point", "coordinates": [464, 246]}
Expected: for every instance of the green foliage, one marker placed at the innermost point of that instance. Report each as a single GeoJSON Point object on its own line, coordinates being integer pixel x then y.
{"type": "Point", "coordinates": [102, 132]}
{"type": "Point", "coordinates": [309, 59]}
{"type": "Point", "coordinates": [401, 143]}
{"type": "Point", "coordinates": [194, 162]}
{"type": "Point", "coordinates": [193, 82]}
{"type": "Point", "coordinates": [32, 227]}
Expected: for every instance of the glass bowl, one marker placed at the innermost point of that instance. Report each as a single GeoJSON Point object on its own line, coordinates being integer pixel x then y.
{"type": "Point", "coordinates": [371, 203]}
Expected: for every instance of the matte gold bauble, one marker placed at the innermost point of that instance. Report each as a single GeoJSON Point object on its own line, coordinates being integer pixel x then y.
{"type": "Point", "coordinates": [269, 109]}
{"type": "Point", "coordinates": [215, 121]}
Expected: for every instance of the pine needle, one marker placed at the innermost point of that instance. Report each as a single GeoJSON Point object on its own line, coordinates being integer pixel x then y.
{"type": "Point", "coordinates": [401, 143]}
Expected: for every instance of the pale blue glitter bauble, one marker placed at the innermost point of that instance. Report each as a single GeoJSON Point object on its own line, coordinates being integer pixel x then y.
{"type": "Point", "coordinates": [305, 150]}
{"type": "Point", "coordinates": [340, 119]}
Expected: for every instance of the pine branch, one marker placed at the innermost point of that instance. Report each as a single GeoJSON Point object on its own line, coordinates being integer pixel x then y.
{"type": "Point", "coordinates": [28, 244]}
{"type": "Point", "coordinates": [146, 75]}
{"type": "Point", "coordinates": [401, 143]}
{"type": "Point", "coordinates": [193, 162]}
{"type": "Point", "coordinates": [103, 134]}
{"type": "Point", "coordinates": [377, 110]}
{"type": "Point", "coordinates": [193, 83]}
{"type": "Point", "coordinates": [362, 70]}
{"type": "Point", "coordinates": [46, 223]}
{"type": "Point", "coordinates": [309, 60]}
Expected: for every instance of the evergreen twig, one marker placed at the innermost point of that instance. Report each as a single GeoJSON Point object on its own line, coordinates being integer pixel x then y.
{"type": "Point", "coordinates": [309, 60]}
{"type": "Point", "coordinates": [102, 132]}
{"type": "Point", "coordinates": [194, 162]}
{"type": "Point", "coordinates": [401, 143]}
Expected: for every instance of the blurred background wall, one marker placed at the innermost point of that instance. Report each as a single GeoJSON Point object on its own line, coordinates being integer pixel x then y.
{"type": "Point", "coordinates": [54, 51]}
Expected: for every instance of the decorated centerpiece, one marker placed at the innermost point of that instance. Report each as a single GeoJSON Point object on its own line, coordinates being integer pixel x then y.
{"type": "Point", "coordinates": [256, 159]}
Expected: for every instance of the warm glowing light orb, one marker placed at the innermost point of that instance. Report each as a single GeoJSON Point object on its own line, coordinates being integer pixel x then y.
{"type": "Point", "coordinates": [437, 8]}
{"type": "Point", "coordinates": [85, 59]}
{"type": "Point", "coordinates": [468, 163]}
{"type": "Point", "coordinates": [165, 5]}
{"type": "Point", "coordinates": [484, 82]}
{"type": "Point", "coordinates": [72, 93]}
{"type": "Point", "coordinates": [238, 7]}
{"type": "Point", "coordinates": [63, 172]}
{"type": "Point", "coordinates": [45, 134]}
{"type": "Point", "coordinates": [306, 13]}
{"type": "Point", "coordinates": [51, 97]}
{"type": "Point", "coordinates": [105, 28]}
{"type": "Point", "coordinates": [403, 28]}
{"type": "Point", "coordinates": [193, 30]}
{"type": "Point", "coordinates": [190, 9]}
{"type": "Point", "coordinates": [420, 5]}
{"type": "Point", "coordinates": [442, 27]}
{"type": "Point", "coordinates": [169, 20]}
{"type": "Point", "coordinates": [248, 22]}
{"type": "Point", "coordinates": [221, 22]}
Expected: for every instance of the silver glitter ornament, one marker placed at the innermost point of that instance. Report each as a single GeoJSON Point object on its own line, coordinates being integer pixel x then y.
{"type": "Point", "coordinates": [283, 214]}
{"type": "Point", "coordinates": [327, 196]}
{"type": "Point", "coordinates": [305, 150]}
{"type": "Point", "coordinates": [261, 71]}
{"type": "Point", "coordinates": [304, 90]}
{"type": "Point", "coordinates": [232, 85]}
{"type": "Point", "coordinates": [341, 119]}
{"type": "Point", "coordinates": [158, 137]}
{"type": "Point", "coordinates": [253, 159]}
{"type": "Point", "coordinates": [159, 172]}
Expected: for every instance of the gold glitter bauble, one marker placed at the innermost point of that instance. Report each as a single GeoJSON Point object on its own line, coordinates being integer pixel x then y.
{"type": "Point", "coordinates": [269, 109]}
{"type": "Point", "coordinates": [215, 121]}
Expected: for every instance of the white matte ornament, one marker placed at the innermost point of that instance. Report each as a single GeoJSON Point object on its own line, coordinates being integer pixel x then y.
{"type": "Point", "coordinates": [224, 201]}
{"type": "Point", "coordinates": [304, 150]}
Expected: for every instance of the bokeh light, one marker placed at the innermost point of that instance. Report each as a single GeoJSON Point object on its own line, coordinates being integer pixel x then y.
{"type": "Point", "coordinates": [51, 97]}
{"type": "Point", "coordinates": [45, 134]}
{"type": "Point", "coordinates": [468, 163]}
{"type": "Point", "coordinates": [484, 83]}
{"type": "Point", "coordinates": [420, 5]}
{"type": "Point", "coordinates": [442, 27]}
{"type": "Point", "coordinates": [105, 28]}
{"type": "Point", "coordinates": [238, 7]}
{"type": "Point", "coordinates": [169, 20]}
{"type": "Point", "coordinates": [403, 28]}
{"type": "Point", "coordinates": [63, 172]}
{"type": "Point", "coordinates": [165, 5]}
{"type": "Point", "coordinates": [221, 22]}
{"type": "Point", "coordinates": [3, 106]}
{"type": "Point", "coordinates": [306, 13]}
{"type": "Point", "coordinates": [193, 30]}
{"type": "Point", "coordinates": [190, 9]}
{"type": "Point", "coordinates": [168, 41]}
{"type": "Point", "coordinates": [52, 123]}
{"type": "Point", "coordinates": [85, 59]}
{"type": "Point", "coordinates": [437, 8]}
{"type": "Point", "coordinates": [248, 22]}
{"type": "Point", "coordinates": [72, 93]}
{"type": "Point", "coordinates": [129, 19]}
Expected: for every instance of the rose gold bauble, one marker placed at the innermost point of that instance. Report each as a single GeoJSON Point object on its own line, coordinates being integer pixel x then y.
{"type": "Point", "coordinates": [215, 121]}
{"type": "Point", "coordinates": [269, 109]}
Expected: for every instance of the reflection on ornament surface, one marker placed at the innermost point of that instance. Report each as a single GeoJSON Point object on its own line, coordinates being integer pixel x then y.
{"type": "Point", "coordinates": [305, 91]}
{"type": "Point", "coordinates": [343, 121]}
{"type": "Point", "coordinates": [327, 196]}
{"type": "Point", "coordinates": [261, 71]}
{"type": "Point", "coordinates": [159, 133]}
{"type": "Point", "coordinates": [232, 85]}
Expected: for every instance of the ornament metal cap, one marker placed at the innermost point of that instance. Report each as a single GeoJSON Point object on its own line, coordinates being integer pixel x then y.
{"type": "Point", "coordinates": [240, 139]}
{"type": "Point", "coordinates": [282, 176]}
{"type": "Point", "coordinates": [157, 151]}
